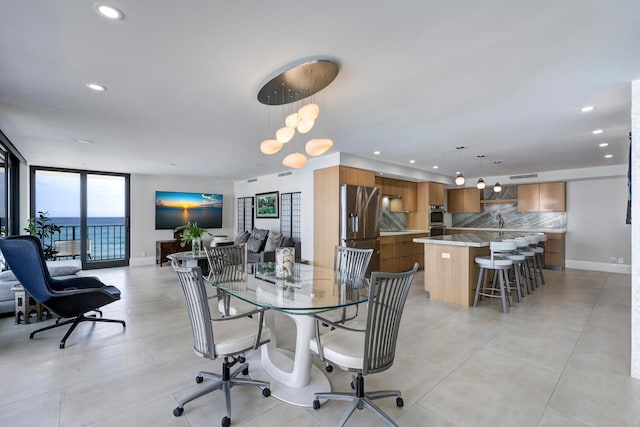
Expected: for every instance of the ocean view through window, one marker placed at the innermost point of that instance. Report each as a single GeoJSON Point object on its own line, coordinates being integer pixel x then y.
{"type": "Point", "coordinates": [91, 209]}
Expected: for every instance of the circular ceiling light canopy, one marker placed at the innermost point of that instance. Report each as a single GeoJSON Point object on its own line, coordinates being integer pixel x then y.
{"type": "Point", "coordinates": [298, 82]}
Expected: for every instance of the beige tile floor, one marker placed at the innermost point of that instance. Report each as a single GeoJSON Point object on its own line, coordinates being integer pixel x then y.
{"type": "Point", "coordinates": [561, 358]}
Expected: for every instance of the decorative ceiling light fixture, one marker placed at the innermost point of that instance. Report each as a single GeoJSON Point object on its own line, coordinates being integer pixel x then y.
{"type": "Point", "coordinates": [109, 12]}
{"type": "Point", "coordinates": [480, 184]}
{"type": "Point", "coordinates": [459, 175]}
{"type": "Point", "coordinates": [290, 86]}
{"type": "Point", "coordinates": [497, 188]}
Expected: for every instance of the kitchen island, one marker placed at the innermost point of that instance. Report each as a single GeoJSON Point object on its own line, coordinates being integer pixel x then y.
{"type": "Point", "coordinates": [450, 273]}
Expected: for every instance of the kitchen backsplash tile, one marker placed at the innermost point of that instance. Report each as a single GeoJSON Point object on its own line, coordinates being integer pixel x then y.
{"type": "Point", "coordinates": [392, 221]}
{"type": "Point", "coordinates": [512, 218]}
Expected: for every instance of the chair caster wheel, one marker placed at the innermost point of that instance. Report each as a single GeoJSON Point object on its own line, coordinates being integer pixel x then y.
{"type": "Point", "coordinates": [266, 392]}
{"type": "Point", "coordinates": [245, 371]}
{"type": "Point", "coordinates": [241, 359]}
{"type": "Point", "coordinates": [328, 368]}
{"type": "Point", "coordinates": [61, 345]}
{"type": "Point", "coordinates": [316, 404]}
{"type": "Point", "coordinates": [399, 402]}
{"type": "Point", "coordinates": [178, 411]}
{"type": "Point", "coordinates": [226, 422]}
{"type": "Point", "coordinates": [199, 379]}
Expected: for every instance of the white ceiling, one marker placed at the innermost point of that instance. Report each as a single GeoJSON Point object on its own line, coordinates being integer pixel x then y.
{"type": "Point", "coordinates": [417, 78]}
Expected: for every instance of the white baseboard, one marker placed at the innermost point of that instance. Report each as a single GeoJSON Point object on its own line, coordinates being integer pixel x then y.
{"type": "Point", "coordinates": [145, 260]}
{"type": "Point", "coordinates": [598, 266]}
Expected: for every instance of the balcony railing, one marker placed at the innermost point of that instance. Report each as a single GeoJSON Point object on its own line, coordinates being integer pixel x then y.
{"type": "Point", "coordinates": [105, 242]}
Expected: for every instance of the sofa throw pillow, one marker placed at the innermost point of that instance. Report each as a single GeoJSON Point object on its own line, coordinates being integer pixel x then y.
{"type": "Point", "coordinates": [273, 241]}
{"type": "Point", "coordinates": [242, 237]}
{"type": "Point", "coordinates": [257, 240]}
{"type": "Point", "coordinates": [54, 271]}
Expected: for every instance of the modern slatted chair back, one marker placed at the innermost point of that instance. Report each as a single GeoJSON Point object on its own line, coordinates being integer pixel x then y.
{"type": "Point", "coordinates": [195, 296]}
{"type": "Point", "coordinates": [351, 262]}
{"type": "Point", "coordinates": [387, 295]}
{"type": "Point", "coordinates": [227, 263]}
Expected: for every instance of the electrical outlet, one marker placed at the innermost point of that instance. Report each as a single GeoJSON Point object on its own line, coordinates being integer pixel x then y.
{"type": "Point", "coordinates": [620, 260]}
{"type": "Point", "coordinates": [612, 260]}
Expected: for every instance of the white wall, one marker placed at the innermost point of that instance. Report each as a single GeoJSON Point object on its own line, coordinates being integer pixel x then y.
{"type": "Point", "coordinates": [596, 229]}
{"type": "Point", "coordinates": [143, 193]}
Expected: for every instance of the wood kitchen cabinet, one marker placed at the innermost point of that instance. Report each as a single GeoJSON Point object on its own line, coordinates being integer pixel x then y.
{"type": "Point", "coordinates": [436, 193]}
{"type": "Point", "coordinates": [543, 197]}
{"type": "Point", "coordinates": [404, 194]}
{"type": "Point", "coordinates": [409, 196]}
{"type": "Point", "coordinates": [554, 248]}
{"type": "Point", "coordinates": [354, 176]}
{"type": "Point", "coordinates": [464, 200]}
{"type": "Point", "coordinates": [399, 252]}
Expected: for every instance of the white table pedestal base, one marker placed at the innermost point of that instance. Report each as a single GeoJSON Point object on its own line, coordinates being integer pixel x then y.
{"type": "Point", "coordinates": [299, 396]}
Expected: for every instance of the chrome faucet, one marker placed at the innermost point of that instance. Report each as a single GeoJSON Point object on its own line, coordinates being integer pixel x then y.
{"type": "Point", "coordinates": [500, 220]}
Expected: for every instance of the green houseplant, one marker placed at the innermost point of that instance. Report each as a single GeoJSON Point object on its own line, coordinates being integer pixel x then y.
{"type": "Point", "coordinates": [192, 233]}
{"type": "Point", "coordinates": [44, 229]}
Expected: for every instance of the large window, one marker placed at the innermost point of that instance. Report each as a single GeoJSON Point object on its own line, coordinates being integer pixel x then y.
{"type": "Point", "coordinates": [10, 160]}
{"type": "Point", "coordinates": [92, 209]}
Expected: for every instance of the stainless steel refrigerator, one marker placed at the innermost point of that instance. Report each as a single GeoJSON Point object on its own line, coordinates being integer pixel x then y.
{"type": "Point", "coordinates": [360, 220]}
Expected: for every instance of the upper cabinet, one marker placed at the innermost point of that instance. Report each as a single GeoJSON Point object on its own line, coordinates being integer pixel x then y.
{"type": "Point", "coordinates": [464, 200]}
{"type": "Point", "coordinates": [544, 197]}
{"type": "Point", "coordinates": [436, 193]}
{"type": "Point", "coordinates": [402, 194]}
{"type": "Point", "coordinates": [354, 176]}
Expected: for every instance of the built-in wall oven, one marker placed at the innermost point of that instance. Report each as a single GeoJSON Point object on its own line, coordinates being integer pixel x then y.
{"type": "Point", "coordinates": [436, 220]}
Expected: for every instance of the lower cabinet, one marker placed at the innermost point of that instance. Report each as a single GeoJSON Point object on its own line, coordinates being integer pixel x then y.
{"type": "Point", "coordinates": [168, 247]}
{"type": "Point", "coordinates": [554, 251]}
{"type": "Point", "coordinates": [398, 253]}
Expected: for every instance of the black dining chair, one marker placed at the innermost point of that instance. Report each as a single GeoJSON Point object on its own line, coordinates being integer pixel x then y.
{"type": "Point", "coordinates": [66, 298]}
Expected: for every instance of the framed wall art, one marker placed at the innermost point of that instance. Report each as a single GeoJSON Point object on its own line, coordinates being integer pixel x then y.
{"type": "Point", "coordinates": [267, 205]}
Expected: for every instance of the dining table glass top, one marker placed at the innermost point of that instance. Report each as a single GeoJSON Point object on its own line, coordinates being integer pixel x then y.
{"type": "Point", "coordinates": [309, 289]}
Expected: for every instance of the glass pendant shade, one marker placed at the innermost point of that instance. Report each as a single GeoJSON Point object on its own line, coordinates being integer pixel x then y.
{"type": "Point", "coordinates": [309, 112]}
{"type": "Point", "coordinates": [270, 146]}
{"type": "Point", "coordinates": [497, 188]}
{"type": "Point", "coordinates": [295, 161]}
{"type": "Point", "coordinates": [480, 184]}
{"type": "Point", "coordinates": [459, 179]}
{"type": "Point", "coordinates": [285, 134]}
{"type": "Point", "coordinates": [291, 120]}
{"type": "Point", "coordinates": [305, 126]}
{"type": "Point", "coordinates": [316, 147]}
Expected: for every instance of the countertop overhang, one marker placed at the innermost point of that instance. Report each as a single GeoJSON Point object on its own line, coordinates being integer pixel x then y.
{"type": "Point", "coordinates": [477, 240]}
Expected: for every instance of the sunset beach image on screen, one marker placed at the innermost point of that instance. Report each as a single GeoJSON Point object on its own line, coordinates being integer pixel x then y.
{"type": "Point", "coordinates": [176, 208]}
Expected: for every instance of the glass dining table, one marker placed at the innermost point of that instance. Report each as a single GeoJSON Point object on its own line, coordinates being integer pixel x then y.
{"type": "Point", "coordinates": [310, 290]}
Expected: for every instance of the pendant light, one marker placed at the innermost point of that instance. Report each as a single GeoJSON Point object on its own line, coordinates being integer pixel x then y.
{"type": "Point", "coordinates": [497, 188]}
{"type": "Point", "coordinates": [480, 184]}
{"type": "Point", "coordinates": [270, 146]}
{"type": "Point", "coordinates": [285, 134]}
{"type": "Point", "coordinates": [295, 160]}
{"type": "Point", "coordinates": [459, 175]}
{"type": "Point", "coordinates": [316, 147]}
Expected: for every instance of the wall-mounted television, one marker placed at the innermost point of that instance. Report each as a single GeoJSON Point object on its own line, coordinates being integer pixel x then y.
{"type": "Point", "coordinates": [174, 209]}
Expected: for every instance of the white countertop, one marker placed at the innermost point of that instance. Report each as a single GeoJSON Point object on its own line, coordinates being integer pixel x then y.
{"type": "Point", "coordinates": [515, 230]}
{"type": "Point", "coordinates": [478, 239]}
{"type": "Point", "coordinates": [401, 233]}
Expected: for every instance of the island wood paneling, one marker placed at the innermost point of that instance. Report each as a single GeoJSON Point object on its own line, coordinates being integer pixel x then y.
{"type": "Point", "coordinates": [452, 278]}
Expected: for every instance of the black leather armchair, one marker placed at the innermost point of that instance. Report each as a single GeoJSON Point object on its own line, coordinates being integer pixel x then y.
{"type": "Point", "coordinates": [66, 298]}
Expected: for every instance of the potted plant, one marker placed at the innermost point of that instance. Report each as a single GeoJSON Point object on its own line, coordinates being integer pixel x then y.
{"type": "Point", "coordinates": [192, 233]}
{"type": "Point", "coordinates": [44, 229]}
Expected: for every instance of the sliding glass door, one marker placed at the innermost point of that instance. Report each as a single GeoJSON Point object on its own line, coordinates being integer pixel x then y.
{"type": "Point", "coordinates": [91, 210]}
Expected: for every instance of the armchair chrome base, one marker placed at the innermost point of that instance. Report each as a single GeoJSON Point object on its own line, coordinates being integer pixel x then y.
{"type": "Point", "coordinates": [75, 321]}
{"type": "Point", "coordinates": [360, 400]}
{"type": "Point", "coordinates": [223, 382]}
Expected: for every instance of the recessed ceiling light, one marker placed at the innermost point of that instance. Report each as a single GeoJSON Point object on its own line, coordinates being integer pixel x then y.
{"type": "Point", "coordinates": [85, 141]}
{"type": "Point", "coordinates": [608, 156]}
{"type": "Point", "coordinates": [435, 166]}
{"type": "Point", "coordinates": [109, 12]}
{"type": "Point", "coordinates": [412, 161]}
{"type": "Point", "coordinates": [376, 152]}
{"type": "Point", "coordinates": [96, 87]}
{"type": "Point", "coordinates": [597, 131]}
{"type": "Point", "coordinates": [587, 108]}
{"type": "Point", "coordinates": [603, 144]}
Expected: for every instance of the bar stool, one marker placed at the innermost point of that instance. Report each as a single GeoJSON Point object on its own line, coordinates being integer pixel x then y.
{"type": "Point", "coordinates": [500, 266]}
{"type": "Point", "coordinates": [530, 260]}
{"type": "Point", "coordinates": [518, 261]}
{"type": "Point", "coordinates": [538, 256]}
{"type": "Point", "coordinates": [522, 246]}
{"type": "Point", "coordinates": [539, 250]}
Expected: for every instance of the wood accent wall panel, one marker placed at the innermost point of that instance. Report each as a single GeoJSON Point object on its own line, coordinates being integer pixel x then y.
{"type": "Point", "coordinates": [326, 215]}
